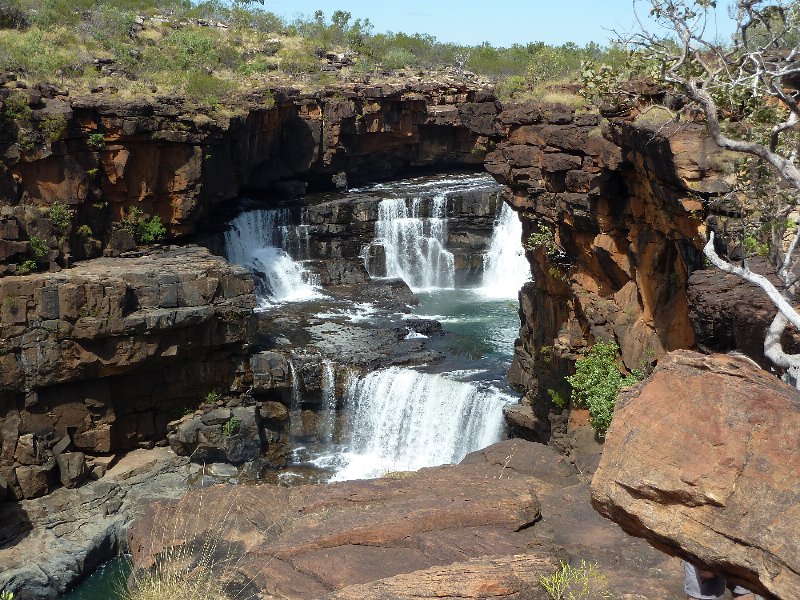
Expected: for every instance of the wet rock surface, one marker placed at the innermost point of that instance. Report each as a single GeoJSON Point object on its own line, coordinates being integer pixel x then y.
{"type": "Point", "coordinates": [701, 461]}
{"type": "Point", "coordinates": [488, 527]}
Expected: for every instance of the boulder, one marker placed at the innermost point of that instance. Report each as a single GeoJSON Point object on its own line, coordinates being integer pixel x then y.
{"type": "Point", "coordinates": [71, 468]}
{"type": "Point", "coordinates": [36, 480]}
{"type": "Point", "coordinates": [702, 461]}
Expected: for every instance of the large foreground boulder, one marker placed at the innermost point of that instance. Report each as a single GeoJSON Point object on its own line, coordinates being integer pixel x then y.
{"type": "Point", "coordinates": [703, 461]}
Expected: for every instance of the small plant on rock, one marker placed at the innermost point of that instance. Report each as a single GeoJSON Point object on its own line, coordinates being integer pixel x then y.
{"type": "Point", "coordinates": [28, 266]}
{"type": "Point", "coordinates": [53, 127]}
{"type": "Point", "coordinates": [38, 249]}
{"type": "Point", "coordinates": [231, 427]}
{"type": "Point", "coordinates": [84, 231]}
{"type": "Point", "coordinates": [577, 583]}
{"type": "Point", "coordinates": [144, 228]}
{"type": "Point", "coordinates": [6, 595]}
{"type": "Point", "coordinates": [60, 217]}
{"type": "Point", "coordinates": [16, 108]}
{"type": "Point", "coordinates": [97, 141]}
{"type": "Point", "coordinates": [213, 397]}
{"type": "Point", "coordinates": [597, 381]}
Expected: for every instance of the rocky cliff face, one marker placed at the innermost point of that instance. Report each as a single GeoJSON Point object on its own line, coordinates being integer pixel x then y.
{"type": "Point", "coordinates": [98, 358]}
{"type": "Point", "coordinates": [618, 226]}
{"type": "Point", "coordinates": [169, 159]}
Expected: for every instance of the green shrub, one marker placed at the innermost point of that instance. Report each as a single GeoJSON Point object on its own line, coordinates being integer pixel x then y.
{"type": "Point", "coordinates": [38, 54]}
{"type": "Point", "coordinates": [297, 61]}
{"type": "Point", "coordinates": [16, 108]}
{"type": "Point", "coordinates": [38, 249]}
{"type": "Point", "coordinates": [206, 88]}
{"type": "Point", "coordinates": [213, 397]}
{"type": "Point", "coordinates": [96, 141]}
{"type": "Point", "coordinates": [143, 228]}
{"type": "Point", "coordinates": [28, 266]}
{"type": "Point", "coordinates": [597, 381]}
{"type": "Point", "coordinates": [231, 427]}
{"type": "Point", "coordinates": [558, 400]}
{"type": "Point", "coordinates": [60, 217]}
{"type": "Point", "coordinates": [84, 231]}
{"type": "Point", "coordinates": [398, 58]}
{"type": "Point", "coordinates": [53, 127]}
{"type": "Point", "coordinates": [576, 583]}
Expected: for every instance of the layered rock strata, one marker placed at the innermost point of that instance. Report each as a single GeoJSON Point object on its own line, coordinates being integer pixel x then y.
{"type": "Point", "coordinates": [702, 461]}
{"type": "Point", "coordinates": [98, 359]}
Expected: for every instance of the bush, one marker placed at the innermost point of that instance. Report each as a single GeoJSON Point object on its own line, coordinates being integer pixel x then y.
{"type": "Point", "coordinates": [28, 266]}
{"type": "Point", "coordinates": [206, 88]}
{"type": "Point", "coordinates": [84, 231]}
{"type": "Point", "coordinates": [576, 583]}
{"type": "Point", "coordinates": [597, 381]}
{"type": "Point", "coordinates": [38, 249]}
{"type": "Point", "coordinates": [53, 127]}
{"type": "Point", "coordinates": [398, 58]}
{"type": "Point", "coordinates": [143, 228]}
{"type": "Point", "coordinates": [16, 108]}
{"type": "Point", "coordinates": [60, 217]}
{"type": "Point", "coordinates": [299, 60]}
{"type": "Point", "coordinates": [231, 427]}
{"type": "Point", "coordinates": [97, 141]}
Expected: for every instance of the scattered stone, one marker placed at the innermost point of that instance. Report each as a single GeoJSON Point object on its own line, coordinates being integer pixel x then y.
{"type": "Point", "coordinates": [71, 468]}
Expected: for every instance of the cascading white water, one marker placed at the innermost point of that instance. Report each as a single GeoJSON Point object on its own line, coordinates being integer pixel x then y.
{"type": "Point", "coordinates": [327, 417]}
{"type": "Point", "coordinates": [403, 420]}
{"type": "Point", "coordinates": [261, 240]}
{"type": "Point", "coordinates": [505, 267]}
{"type": "Point", "coordinates": [295, 416]}
{"type": "Point", "coordinates": [415, 246]}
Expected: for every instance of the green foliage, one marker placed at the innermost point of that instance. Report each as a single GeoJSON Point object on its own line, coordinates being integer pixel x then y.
{"type": "Point", "coordinates": [38, 249]}
{"type": "Point", "coordinates": [577, 583]}
{"type": "Point", "coordinates": [213, 397]}
{"type": "Point", "coordinates": [6, 595]}
{"type": "Point", "coordinates": [557, 399]}
{"type": "Point", "coordinates": [16, 108]}
{"type": "Point", "coordinates": [398, 58]}
{"type": "Point", "coordinates": [60, 217]}
{"type": "Point", "coordinates": [206, 88]}
{"type": "Point", "coordinates": [597, 381]}
{"type": "Point", "coordinates": [84, 231]}
{"type": "Point", "coordinates": [53, 127]}
{"type": "Point", "coordinates": [27, 266]}
{"type": "Point", "coordinates": [39, 54]}
{"type": "Point", "coordinates": [144, 228]}
{"type": "Point", "coordinates": [298, 60]}
{"type": "Point", "coordinates": [231, 427]}
{"type": "Point", "coordinates": [96, 141]}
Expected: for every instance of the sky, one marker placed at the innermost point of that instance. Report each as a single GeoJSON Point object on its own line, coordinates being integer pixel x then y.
{"type": "Point", "coordinates": [500, 22]}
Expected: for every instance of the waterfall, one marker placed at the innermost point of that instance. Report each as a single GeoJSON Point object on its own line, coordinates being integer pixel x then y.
{"type": "Point", "coordinates": [505, 267]}
{"type": "Point", "coordinates": [414, 246]}
{"type": "Point", "coordinates": [402, 420]}
{"type": "Point", "coordinates": [327, 417]}
{"type": "Point", "coordinates": [265, 241]}
{"type": "Point", "coordinates": [295, 406]}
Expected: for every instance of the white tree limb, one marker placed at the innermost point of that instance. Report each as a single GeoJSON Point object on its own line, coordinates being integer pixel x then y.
{"type": "Point", "coordinates": [773, 349]}
{"type": "Point", "coordinates": [765, 284]}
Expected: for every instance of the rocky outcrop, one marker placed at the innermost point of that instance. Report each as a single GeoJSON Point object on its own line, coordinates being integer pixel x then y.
{"type": "Point", "coordinates": [702, 460]}
{"type": "Point", "coordinates": [489, 527]}
{"type": "Point", "coordinates": [98, 358]}
{"type": "Point", "coordinates": [618, 228]}
{"type": "Point", "coordinates": [48, 544]}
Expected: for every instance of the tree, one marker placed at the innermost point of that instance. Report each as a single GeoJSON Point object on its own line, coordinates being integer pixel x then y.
{"type": "Point", "coordinates": [748, 89]}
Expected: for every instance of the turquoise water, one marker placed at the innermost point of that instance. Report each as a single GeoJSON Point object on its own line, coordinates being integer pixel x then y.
{"type": "Point", "coordinates": [106, 583]}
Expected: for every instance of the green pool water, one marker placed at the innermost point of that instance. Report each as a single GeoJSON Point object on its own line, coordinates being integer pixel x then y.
{"type": "Point", "coordinates": [106, 583]}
